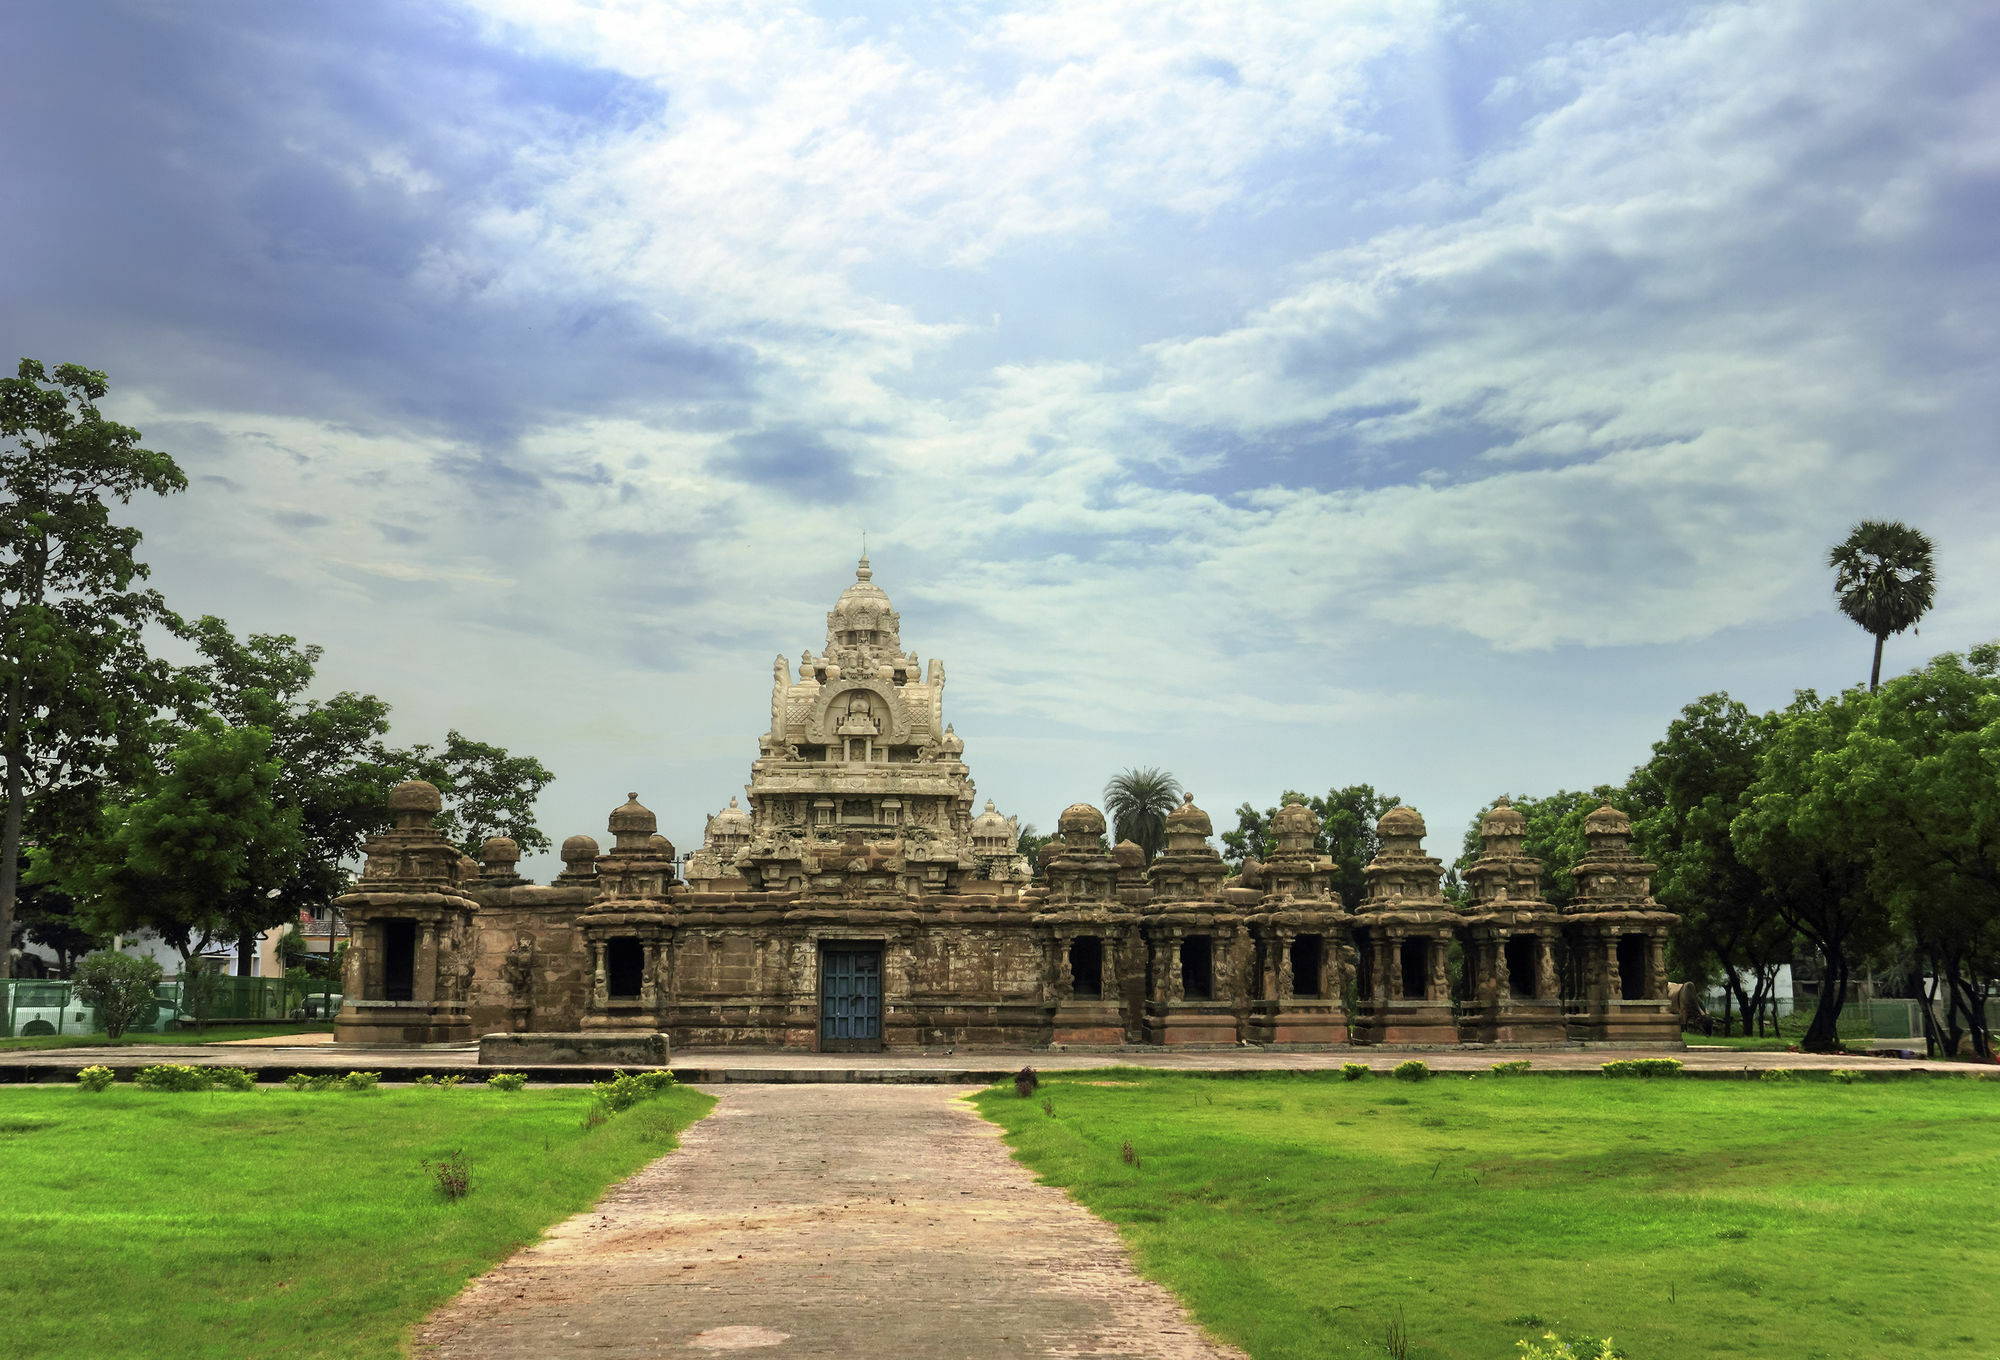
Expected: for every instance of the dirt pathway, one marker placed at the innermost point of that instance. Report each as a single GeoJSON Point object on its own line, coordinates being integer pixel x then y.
{"type": "Point", "coordinates": [876, 1221]}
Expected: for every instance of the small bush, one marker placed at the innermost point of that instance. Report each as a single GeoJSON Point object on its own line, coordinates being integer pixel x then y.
{"type": "Point", "coordinates": [453, 1175]}
{"type": "Point", "coordinates": [1779, 1074]}
{"type": "Point", "coordinates": [1413, 1070]}
{"type": "Point", "coordinates": [95, 1078]}
{"type": "Point", "coordinates": [626, 1089]}
{"type": "Point", "coordinates": [1553, 1347]}
{"type": "Point", "coordinates": [361, 1081]}
{"type": "Point", "coordinates": [1846, 1076]}
{"type": "Point", "coordinates": [1354, 1071]}
{"type": "Point", "coordinates": [1518, 1067]}
{"type": "Point", "coordinates": [1643, 1067]}
{"type": "Point", "coordinates": [595, 1116]}
{"type": "Point", "coordinates": [234, 1078]}
{"type": "Point", "coordinates": [123, 988]}
{"type": "Point", "coordinates": [1026, 1083]}
{"type": "Point", "coordinates": [428, 1079]}
{"type": "Point", "coordinates": [310, 1081]}
{"type": "Point", "coordinates": [174, 1077]}
{"type": "Point", "coordinates": [1049, 1106]}
{"type": "Point", "coordinates": [1128, 1153]}
{"type": "Point", "coordinates": [507, 1081]}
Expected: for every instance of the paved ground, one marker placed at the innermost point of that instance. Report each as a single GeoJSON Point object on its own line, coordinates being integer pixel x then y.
{"type": "Point", "coordinates": [971, 1066]}
{"type": "Point", "coordinates": [826, 1221]}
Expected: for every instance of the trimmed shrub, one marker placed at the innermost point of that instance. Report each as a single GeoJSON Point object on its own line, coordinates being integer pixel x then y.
{"type": "Point", "coordinates": [121, 987]}
{"type": "Point", "coordinates": [1354, 1071]}
{"type": "Point", "coordinates": [1413, 1070]}
{"type": "Point", "coordinates": [1846, 1076]}
{"type": "Point", "coordinates": [507, 1081]}
{"type": "Point", "coordinates": [174, 1077]}
{"type": "Point", "coordinates": [1553, 1347]}
{"type": "Point", "coordinates": [1643, 1067]}
{"type": "Point", "coordinates": [428, 1079]}
{"type": "Point", "coordinates": [310, 1081]}
{"type": "Point", "coordinates": [1779, 1074]}
{"type": "Point", "coordinates": [656, 1081]}
{"type": "Point", "coordinates": [95, 1078]}
{"type": "Point", "coordinates": [1518, 1067]}
{"type": "Point", "coordinates": [234, 1078]}
{"type": "Point", "coordinates": [361, 1081]}
{"type": "Point", "coordinates": [1026, 1082]}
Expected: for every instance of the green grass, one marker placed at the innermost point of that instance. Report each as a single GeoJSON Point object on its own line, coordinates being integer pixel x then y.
{"type": "Point", "coordinates": [213, 1034]}
{"type": "Point", "coordinates": [1300, 1215]}
{"type": "Point", "coordinates": [277, 1223]}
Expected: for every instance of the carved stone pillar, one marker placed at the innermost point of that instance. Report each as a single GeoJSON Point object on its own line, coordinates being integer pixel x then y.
{"type": "Point", "coordinates": [1386, 987]}
{"type": "Point", "coordinates": [426, 988]}
{"type": "Point", "coordinates": [1499, 982]}
{"type": "Point", "coordinates": [1440, 980]}
{"type": "Point", "coordinates": [1656, 968]}
{"type": "Point", "coordinates": [1614, 982]}
{"type": "Point", "coordinates": [1547, 987]}
{"type": "Point", "coordinates": [600, 988]}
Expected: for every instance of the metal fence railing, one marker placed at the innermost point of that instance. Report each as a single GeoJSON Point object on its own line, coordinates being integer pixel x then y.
{"type": "Point", "coordinates": [31, 1007]}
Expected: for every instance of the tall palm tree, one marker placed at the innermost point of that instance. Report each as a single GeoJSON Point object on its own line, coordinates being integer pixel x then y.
{"type": "Point", "coordinates": [1883, 579]}
{"type": "Point", "coordinates": [1139, 801]}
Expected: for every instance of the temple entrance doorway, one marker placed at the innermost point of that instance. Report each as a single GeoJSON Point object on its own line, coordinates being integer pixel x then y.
{"type": "Point", "coordinates": [850, 997]}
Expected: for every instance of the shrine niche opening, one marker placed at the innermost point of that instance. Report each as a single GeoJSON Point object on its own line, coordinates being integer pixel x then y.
{"type": "Point", "coordinates": [1520, 954]}
{"type": "Point", "coordinates": [399, 960]}
{"type": "Point", "coordinates": [1308, 957]}
{"type": "Point", "coordinates": [624, 968]}
{"type": "Point", "coordinates": [1086, 968]}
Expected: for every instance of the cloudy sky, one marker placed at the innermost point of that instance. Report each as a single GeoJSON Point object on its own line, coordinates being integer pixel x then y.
{"type": "Point", "coordinates": [1435, 396]}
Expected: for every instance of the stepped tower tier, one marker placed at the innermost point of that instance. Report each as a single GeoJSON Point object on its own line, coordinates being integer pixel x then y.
{"type": "Point", "coordinates": [859, 755]}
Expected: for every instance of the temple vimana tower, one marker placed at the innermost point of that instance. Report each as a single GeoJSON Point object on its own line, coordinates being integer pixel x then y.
{"type": "Point", "coordinates": [865, 900]}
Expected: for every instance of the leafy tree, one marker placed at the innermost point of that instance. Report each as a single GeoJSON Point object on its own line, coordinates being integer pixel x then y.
{"type": "Point", "coordinates": [333, 768]}
{"type": "Point", "coordinates": [50, 917]}
{"type": "Point", "coordinates": [123, 988]}
{"type": "Point", "coordinates": [1138, 802]}
{"type": "Point", "coordinates": [190, 859]}
{"type": "Point", "coordinates": [1030, 844]}
{"type": "Point", "coordinates": [1252, 837]}
{"type": "Point", "coordinates": [1682, 802]}
{"type": "Point", "coordinates": [1809, 829]}
{"type": "Point", "coordinates": [1346, 834]}
{"type": "Point", "coordinates": [78, 688]}
{"type": "Point", "coordinates": [486, 792]}
{"type": "Point", "coordinates": [1925, 762]}
{"type": "Point", "coordinates": [1884, 580]}
{"type": "Point", "coordinates": [1555, 836]}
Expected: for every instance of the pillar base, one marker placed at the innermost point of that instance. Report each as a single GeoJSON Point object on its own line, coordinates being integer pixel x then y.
{"type": "Point", "coordinates": [1183, 1023]}
{"type": "Point", "coordinates": [401, 1022]}
{"type": "Point", "coordinates": [1516, 1021]}
{"type": "Point", "coordinates": [1409, 1024]}
{"type": "Point", "coordinates": [598, 1048]}
{"type": "Point", "coordinates": [1088, 1022]}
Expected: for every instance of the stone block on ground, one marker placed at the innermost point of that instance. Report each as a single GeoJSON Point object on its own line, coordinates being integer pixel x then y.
{"type": "Point", "coordinates": [598, 1048]}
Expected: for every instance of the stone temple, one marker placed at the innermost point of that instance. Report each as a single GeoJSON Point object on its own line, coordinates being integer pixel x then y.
{"type": "Point", "coordinates": [861, 903]}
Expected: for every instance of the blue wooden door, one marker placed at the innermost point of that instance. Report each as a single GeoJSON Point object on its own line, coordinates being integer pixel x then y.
{"type": "Point", "coordinates": [850, 996]}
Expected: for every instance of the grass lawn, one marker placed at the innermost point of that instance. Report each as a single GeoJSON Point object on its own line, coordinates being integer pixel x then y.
{"type": "Point", "coordinates": [1301, 1216]}
{"type": "Point", "coordinates": [281, 1223]}
{"type": "Point", "coordinates": [212, 1034]}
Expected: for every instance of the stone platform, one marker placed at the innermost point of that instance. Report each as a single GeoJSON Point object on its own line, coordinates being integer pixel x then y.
{"type": "Point", "coordinates": [591, 1048]}
{"type": "Point", "coordinates": [274, 1064]}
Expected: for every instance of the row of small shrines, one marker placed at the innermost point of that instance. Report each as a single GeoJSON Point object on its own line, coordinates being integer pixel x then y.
{"type": "Point", "coordinates": [1102, 949]}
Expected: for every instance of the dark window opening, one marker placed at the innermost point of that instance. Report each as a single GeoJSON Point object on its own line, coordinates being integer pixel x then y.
{"type": "Point", "coordinates": [1632, 967]}
{"type": "Point", "coordinates": [1521, 960]}
{"type": "Point", "coordinates": [1416, 969]}
{"type": "Point", "coordinates": [1086, 968]}
{"type": "Point", "coordinates": [624, 968]}
{"type": "Point", "coordinates": [1307, 953]}
{"type": "Point", "coordinates": [399, 960]}
{"type": "Point", "coordinates": [1197, 968]}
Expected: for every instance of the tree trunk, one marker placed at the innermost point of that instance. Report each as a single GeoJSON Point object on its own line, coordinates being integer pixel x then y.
{"type": "Point", "coordinates": [1875, 674]}
{"type": "Point", "coordinates": [1823, 1035]}
{"type": "Point", "coordinates": [10, 827]}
